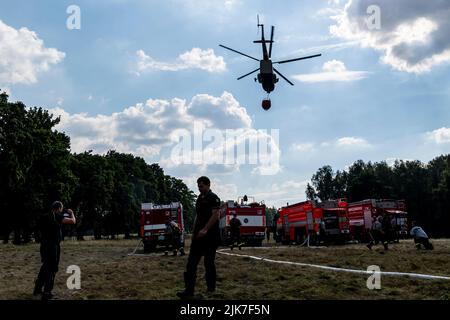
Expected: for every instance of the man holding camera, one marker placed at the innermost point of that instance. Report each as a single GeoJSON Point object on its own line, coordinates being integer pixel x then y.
{"type": "Point", "coordinates": [50, 229]}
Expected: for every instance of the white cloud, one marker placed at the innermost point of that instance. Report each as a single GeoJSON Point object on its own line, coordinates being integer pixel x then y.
{"type": "Point", "coordinates": [352, 142]}
{"type": "Point", "coordinates": [343, 143]}
{"type": "Point", "coordinates": [6, 90]}
{"type": "Point", "coordinates": [391, 161]}
{"type": "Point", "coordinates": [439, 136]}
{"type": "Point", "coordinates": [303, 147]}
{"type": "Point", "coordinates": [210, 8]}
{"type": "Point", "coordinates": [195, 59]}
{"type": "Point", "coordinates": [224, 111]}
{"type": "Point", "coordinates": [233, 145]}
{"type": "Point", "coordinates": [146, 128]}
{"type": "Point", "coordinates": [225, 191]}
{"type": "Point", "coordinates": [326, 12]}
{"type": "Point", "coordinates": [326, 47]}
{"type": "Point", "coordinates": [23, 55]}
{"type": "Point", "coordinates": [333, 70]}
{"type": "Point", "coordinates": [413, 34]}
{"type": "Point", "coordinates": [279, 194]}
{"type": "Point", "coordinates": [346, 143]}
{"type": "Point", "coordinates": [230, 4]}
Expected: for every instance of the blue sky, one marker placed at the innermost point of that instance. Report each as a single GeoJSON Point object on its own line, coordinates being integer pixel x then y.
{"type": "Point", "coordinates": [374, 94]}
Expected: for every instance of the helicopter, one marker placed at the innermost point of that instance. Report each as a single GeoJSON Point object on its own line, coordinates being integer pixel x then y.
{"type": "Point", "coordinates": [266, 75]}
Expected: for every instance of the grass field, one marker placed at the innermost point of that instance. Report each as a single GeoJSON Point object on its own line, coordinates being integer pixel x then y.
{"type": "Point", "coordinates": [108, 272]}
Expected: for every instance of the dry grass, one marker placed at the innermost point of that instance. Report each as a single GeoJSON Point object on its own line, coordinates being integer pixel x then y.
{"type": "Point", "coordinates": [109, 273]}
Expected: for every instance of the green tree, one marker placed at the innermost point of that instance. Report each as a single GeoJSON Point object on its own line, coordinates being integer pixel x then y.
{"type": "Point", "coordinates": [35, 166]}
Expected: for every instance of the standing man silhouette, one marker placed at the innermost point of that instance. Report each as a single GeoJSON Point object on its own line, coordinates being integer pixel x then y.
{"type": "Point", "coordinates": [50, 228]}
{"type": "Point", "coordinates": [235, 231]}
{"type": "Point", "coordinates": [205, 239]}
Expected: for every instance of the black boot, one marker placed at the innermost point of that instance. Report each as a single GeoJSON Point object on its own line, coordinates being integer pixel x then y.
{"type": "Point", "coordinates": [37, 288]}
{"type": "Point", "coordinates": [47, 296]}
{"type": "Point", "coordinates": [189, 283]}
{"type": "Point", "coordinates": [211, 283]}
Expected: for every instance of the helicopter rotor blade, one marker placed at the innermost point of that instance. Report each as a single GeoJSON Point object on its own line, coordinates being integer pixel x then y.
{"type": "Point", "coordinates": [245, 75]}
{"type": "Point", "coordinates": [245, 55]}
{"type": "Point", "coordinates": [286, 79]}
{"type": "Point", "coordinates": [302, 58]}
{"type": "Point", "coordinates": [271, 41]}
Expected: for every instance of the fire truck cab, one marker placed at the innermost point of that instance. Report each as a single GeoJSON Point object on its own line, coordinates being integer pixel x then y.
{"type": "Point", "coordinates": [335, 220]}
{"type": "Point", "coordinates": [322, 222]}
{"type": "Point", "coordinates": [253, 220]}
{"type": "Point", "coordinates": [154, 220]}
{"type": "Point", "coordinates": [361, 215]}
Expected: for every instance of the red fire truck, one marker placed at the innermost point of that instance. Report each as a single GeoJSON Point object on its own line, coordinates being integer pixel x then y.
{"type": "Point", "coordinates": [154, 219]}
{"type": "Point", "coordinates": [361, 215]}
{"type": "Point", "coordinates": [252, 216]}
{"type": "Point", "coordinates": [325, 221]}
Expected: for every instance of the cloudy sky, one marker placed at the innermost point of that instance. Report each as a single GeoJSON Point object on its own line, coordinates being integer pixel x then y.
{"type": "Point", "coordinates": [139, 72]}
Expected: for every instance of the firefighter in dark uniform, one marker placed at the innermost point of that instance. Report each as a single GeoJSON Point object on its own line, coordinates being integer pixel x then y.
{"type": "Point", "coordinates": [175, 238]}
{"type": "Point", "coordinates": [387, 231]}
{"type": "Point", "coordinates": [377, 233]}
{"type": "Point", "coordinates": [205, 239]}
{"type": "Point", "coordinates": [235, 231]}
{"type": "Point", "coordinates": [50, 229]}
{"type": "Point", "coordinates": [168, 237]}
{"type": "Point", "coordinates": [274, 226]}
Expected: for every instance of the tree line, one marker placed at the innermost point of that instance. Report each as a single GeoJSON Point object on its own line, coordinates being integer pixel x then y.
{"type": "Point", "coordinates": [37, 168]}
{"type": "Point", "coordinates": [105, 191]}
{"type": "Point", "coordinates": [424, 186]}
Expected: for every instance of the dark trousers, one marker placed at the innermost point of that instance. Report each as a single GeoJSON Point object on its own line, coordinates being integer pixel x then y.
{"type": "Point", "coordinates": [235, 236]}
{"type": "Point", "coordinates": [423, 241]}
{"type": "Point", "coordinates": [378, 236]}
{"type": "Point", "coordinates": [207, 250]}
{"type": "Point", "coordinates": [175, 243]}
{"type": "Point", "coordinates": [50, 255]}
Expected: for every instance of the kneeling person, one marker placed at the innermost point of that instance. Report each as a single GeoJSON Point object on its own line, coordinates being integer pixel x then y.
{"type": "Point", "coordinates": [420, 237]}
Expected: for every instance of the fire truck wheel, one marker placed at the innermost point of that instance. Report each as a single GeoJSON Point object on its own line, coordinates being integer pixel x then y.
{"type": "Point", "coordinates": [148, 247]}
